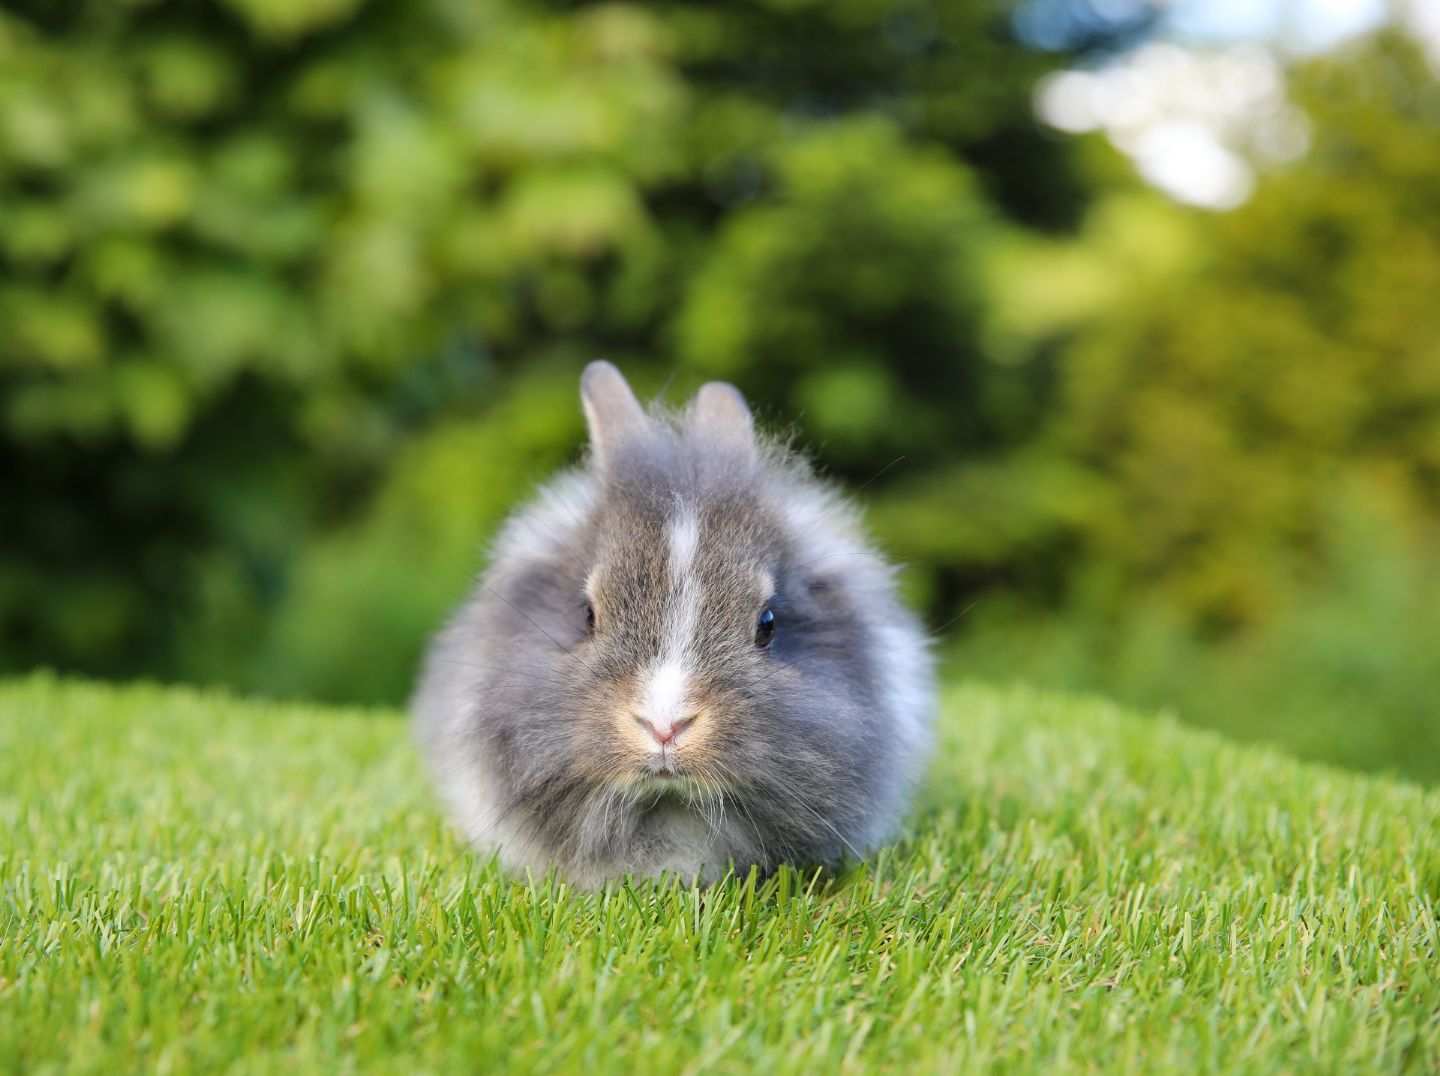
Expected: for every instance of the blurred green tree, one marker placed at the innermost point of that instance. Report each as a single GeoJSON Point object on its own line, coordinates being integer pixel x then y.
{"type": "Point", "coordinates": [1217, 410]}
{"type": "Point", "coordinates": [255, 257]}
{"type": "Point", "coordinates": [1241, 469]}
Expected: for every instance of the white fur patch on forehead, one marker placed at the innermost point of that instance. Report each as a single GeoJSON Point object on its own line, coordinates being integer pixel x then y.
{"type": "Point", "coordinates": [684, 535]}
{"type": "Point", "coordinates": [666, 690]}
{"type": "Point", "coordinates": [684, 542]}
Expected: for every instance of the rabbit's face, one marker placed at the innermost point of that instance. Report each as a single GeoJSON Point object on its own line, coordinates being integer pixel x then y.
{"type": "Point", "coordinates": [680, 609]}
{"type": "Point", "coordinates": [700, 629]}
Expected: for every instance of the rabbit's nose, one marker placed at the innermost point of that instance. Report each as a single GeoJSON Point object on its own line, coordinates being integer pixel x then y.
{"type": "Point", "coordinates": [663, 729]}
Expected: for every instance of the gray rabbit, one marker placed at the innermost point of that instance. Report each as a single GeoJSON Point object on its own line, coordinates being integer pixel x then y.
{"type": "Point", "coordinates": [683, 656]}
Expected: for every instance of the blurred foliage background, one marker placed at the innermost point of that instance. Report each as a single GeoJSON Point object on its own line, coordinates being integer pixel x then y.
{"type": "Point", "coordinates": [294, 294]}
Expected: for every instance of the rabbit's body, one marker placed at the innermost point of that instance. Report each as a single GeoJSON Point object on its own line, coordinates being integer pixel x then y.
{"type": "Point", "coordinates": [682, 656]}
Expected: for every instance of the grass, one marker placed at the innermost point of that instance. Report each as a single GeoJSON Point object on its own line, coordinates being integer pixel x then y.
{"type": "Point", "coordinates": [189, 881]}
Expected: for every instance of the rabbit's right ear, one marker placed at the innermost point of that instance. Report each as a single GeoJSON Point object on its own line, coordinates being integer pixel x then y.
{"type": "Point", "coordinates": [611, 410]}
{"type": "Point", "coordinates": [722, 414]}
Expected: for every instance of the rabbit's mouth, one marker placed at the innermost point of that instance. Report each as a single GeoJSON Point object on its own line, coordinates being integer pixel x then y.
{"type": "Point", "coordinates": [657, 785]}
{"type": "Point", "coordinates": [658, 769]}
{"type": "Point", "coordinates": [663, 762]}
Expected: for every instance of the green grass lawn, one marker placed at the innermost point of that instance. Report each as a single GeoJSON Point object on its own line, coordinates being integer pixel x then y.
{"type": "Point", "coordinates": [189, 881]}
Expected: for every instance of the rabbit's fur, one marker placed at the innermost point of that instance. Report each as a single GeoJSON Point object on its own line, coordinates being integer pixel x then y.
{"type": "Point", "coordinates": [663, 735]}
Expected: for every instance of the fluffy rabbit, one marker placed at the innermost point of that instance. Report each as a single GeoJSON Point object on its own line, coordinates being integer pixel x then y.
{"type": "Point", "coordinates": [683, 656]}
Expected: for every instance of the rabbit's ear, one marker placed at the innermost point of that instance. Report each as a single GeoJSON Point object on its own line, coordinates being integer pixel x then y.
{"type": "Point", "coordinates": [611, 410]}
{"type": "Point", "coordinates": [721, 413]}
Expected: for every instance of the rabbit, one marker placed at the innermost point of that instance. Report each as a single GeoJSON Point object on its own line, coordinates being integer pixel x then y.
{"type": "Point", "coordinates": [683, 657]}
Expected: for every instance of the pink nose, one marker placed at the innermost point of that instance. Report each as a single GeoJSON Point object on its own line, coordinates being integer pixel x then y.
{"type": "Point", "coordinates": [664, 730]}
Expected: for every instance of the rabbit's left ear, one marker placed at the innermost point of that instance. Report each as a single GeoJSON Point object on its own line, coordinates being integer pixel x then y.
{"type": "Point", "coordinates": [721, 413]}
{"type": "Point", "coordinates": [611, 410]}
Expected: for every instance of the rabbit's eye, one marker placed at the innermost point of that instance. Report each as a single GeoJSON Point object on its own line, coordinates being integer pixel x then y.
{"type": "Point", "coordinates": [589, 619]}
{"type": "Point", "coordinates": [764, 628]}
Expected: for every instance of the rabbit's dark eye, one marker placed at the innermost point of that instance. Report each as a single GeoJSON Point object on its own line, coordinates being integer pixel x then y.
{"type": "Point", "coordinates": [589, 619]}
{"type": "Point", "coordinates": [764, 628]}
